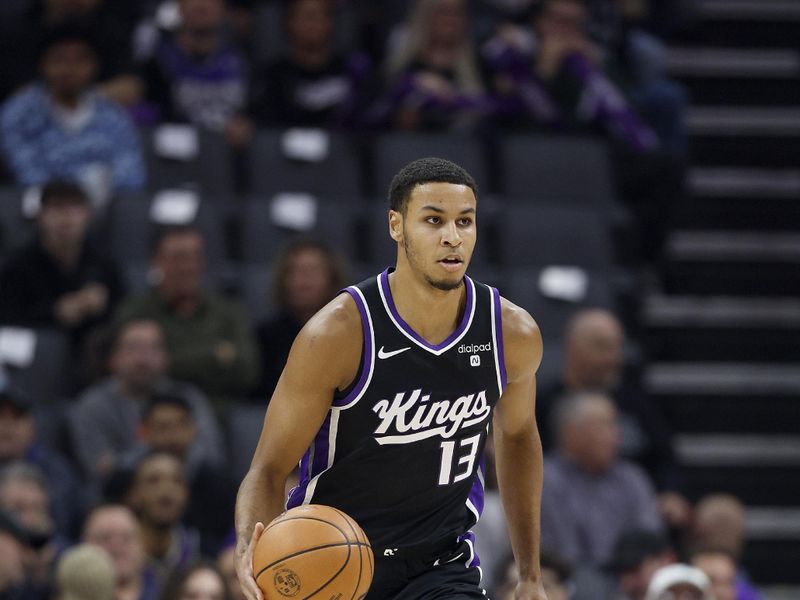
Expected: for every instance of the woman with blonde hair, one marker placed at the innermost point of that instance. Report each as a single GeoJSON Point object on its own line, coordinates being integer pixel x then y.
{"type": "Point", "coordinates": [432, 70]}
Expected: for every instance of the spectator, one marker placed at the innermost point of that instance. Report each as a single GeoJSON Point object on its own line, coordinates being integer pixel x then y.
{"type": "Point", "coordinates": [641, 57]}
{"type": "Point", "coordinates": [19, 443]}
{"type": "Point", "coordinates": [579, 78]}
{"type": "Point", "coordinates": [719, 523]}
{"type": "Point", "coordinates": [61, 127]}
{"type": "Point", "coordinates": [59, 279]}
{"type": "Point", "coordinates": [679, 582]}
{"type": "Point", "coordinates": [592, 496]}
{"type": "Point", "coordinates": [198, 75]}
{"type": "Point", "coordinates": [115, 528]}
{"type": "Point", "coordinates": [433, 75]}
{"type": "Point", "coordinates": [113, 33]}
{"type": "Point", "coordinates": [208, 338]}
{"type": "Point", "coordinates": [24, 495]}
{"type": "Point", "coordinates": [158, 495]}
{"type": "Point", "coordinates": [313, 85]}
{"type": "Point", "coordinates": [307, 276]}
{"type": "Point", "coordinates": [200, 581]}
{"type": "Point", "coordinates": [594, 361]}
{"type": "Point", "coordinates": [720, 568]}
{"type": "Point", "coordinates": [85, 572]}
{"type": "Point", "coordinates": [638, 554]}
{"type": "Point", "coordinates": [168, 426]}
{"type": "Point", "coordinates": [105, 419]}
{"type": "Point", "coordinates": [227, 566]}
{"type": "Point", "coordinates": [13, 548]}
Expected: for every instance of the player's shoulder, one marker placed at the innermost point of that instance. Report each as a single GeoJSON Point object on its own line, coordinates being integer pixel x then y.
{"type": "Point", "coordinates": [517, 322]}
{"type": "Point", "coordinates": [337, 322]}
{"type": "Point", "coordinates": [522, 340]}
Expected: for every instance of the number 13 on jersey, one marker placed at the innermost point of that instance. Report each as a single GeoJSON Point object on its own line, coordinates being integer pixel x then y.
{"type": "Point", "coordinates": [467, 451]}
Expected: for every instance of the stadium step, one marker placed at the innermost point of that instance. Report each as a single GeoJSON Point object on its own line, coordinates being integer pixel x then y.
{"type": "Point", "coordinates": [729, 378]}
{"type": "Point", "coordinates": [759, 23]}
{"type": "Point", "coordinates": [737, 182]}
{"type": "Point", "coordinates": [722, 328]}
{"type": "Point", "coordinates": [747, 263]}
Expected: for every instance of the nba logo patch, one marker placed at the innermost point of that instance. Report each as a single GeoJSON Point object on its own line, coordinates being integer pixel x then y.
{"type": "Point", "coordinates": [475, 360]}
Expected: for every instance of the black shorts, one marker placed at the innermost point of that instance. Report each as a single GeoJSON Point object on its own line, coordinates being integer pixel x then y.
{"type": "Point", "coordinates": [445, 576]}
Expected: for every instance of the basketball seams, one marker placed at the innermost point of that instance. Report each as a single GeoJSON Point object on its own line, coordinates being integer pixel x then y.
{"type": "Point", "coordinates": [358, 542]}
{"type": "Point", "coordinates": [351, 536]}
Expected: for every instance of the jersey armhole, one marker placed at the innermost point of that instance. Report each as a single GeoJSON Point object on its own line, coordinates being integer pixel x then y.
{"type": "Point", "coordinates": [352, 394]}
{"type": "Point", "coordinates": [497, 338]}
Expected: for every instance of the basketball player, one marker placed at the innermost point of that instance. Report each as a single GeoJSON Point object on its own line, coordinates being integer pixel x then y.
{"type": "Point", "coordinates": [387, 395]}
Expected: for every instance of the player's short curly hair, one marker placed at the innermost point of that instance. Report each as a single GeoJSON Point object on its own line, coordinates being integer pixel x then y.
{"type": "Point", "coordinates": [425, 170]}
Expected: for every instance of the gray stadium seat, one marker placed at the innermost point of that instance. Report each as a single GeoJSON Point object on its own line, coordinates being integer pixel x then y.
{"type": "Point", "coordinates": [210, 172]}
{"type": "Point", "coordinates": [263, 240]}
{"type": "Point", "coordinates": [244, 428]}
{"type": "Point", "coordinates": [522, 288]}
{"type": "Point", "coordinates": [131, 230]}
{"type": "Point", "coordinates": [47, 379]}
{"type": "Point", "coordinates": [15, 229]}
{"type": "Point", "coordinates": [569, 170]}
{"type": "Point", "coordinates": [392, 151]}
{"type": "Point", "coordinates": [338, 175]}
{"type": "Point", "coordinates": [256, 290]}
{"type": "Point", "coordinates": [551, 235]}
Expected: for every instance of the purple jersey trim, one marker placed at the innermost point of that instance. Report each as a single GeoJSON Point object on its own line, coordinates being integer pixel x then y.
{"type": "Point", "coordinates": [314, 462]}
{"type": "Point", "coordinates": [368, 350]}
{"type": "Point", "coordinates": [498, 325]}
{"type": "Point", "coordinates": [384, 283]}
{"type": "Point", "coordinates": [469, 536]}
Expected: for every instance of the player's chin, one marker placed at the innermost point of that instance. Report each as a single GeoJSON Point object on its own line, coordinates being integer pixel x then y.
{"type": "Point", "coordinates": [447, 283]}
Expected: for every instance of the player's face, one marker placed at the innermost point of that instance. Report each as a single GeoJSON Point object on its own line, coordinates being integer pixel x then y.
{"type": "Point", "coordinates": [437, 233]}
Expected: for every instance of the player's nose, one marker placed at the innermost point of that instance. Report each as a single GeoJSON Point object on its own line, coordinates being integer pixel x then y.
{"type": "Point", "coordinates": [451, 236]}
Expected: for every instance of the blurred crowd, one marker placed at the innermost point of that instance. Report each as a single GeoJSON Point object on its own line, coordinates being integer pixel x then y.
{"type": "Point", "coordinates": [123, 489]}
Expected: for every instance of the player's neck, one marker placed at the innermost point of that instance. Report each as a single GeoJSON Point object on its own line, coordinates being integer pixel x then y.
{"type": "Point", "coordinates": [433, 313]}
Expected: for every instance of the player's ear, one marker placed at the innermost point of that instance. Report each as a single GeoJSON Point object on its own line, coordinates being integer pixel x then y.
{"type": "Point", "coordinates": [396, 225]}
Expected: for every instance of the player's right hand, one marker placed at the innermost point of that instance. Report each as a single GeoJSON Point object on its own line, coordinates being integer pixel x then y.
{"type": "Point", "coordinates": [244, 566]}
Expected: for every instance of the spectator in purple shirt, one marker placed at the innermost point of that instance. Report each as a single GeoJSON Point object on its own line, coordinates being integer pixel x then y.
{"type": "Point", "coordinates": [434, 79]}
{"type": "Point", "coordinates": [560, 77]}
{"type": "Point", "coordinates": [197, 75]}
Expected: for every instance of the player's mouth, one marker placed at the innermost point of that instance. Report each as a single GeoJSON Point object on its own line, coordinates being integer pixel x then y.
{"type": "Point", "coordinates": [452, 262]}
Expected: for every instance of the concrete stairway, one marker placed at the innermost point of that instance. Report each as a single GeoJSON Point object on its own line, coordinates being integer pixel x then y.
{"type": "Point", "coordinates": [723, 332]}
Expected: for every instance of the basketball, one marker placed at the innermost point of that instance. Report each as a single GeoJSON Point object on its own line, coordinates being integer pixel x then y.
{"type": "Point", "coordinates": [313, 551]}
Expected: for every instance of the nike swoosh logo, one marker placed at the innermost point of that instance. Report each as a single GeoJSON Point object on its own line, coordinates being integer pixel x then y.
{"type": "Point", "coordinates": [382, 354]}
{"type": "Point", "coordinates": [447, 562]}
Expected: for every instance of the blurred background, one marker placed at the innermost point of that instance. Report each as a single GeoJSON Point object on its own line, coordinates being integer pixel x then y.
{"type": "Point", "coordinates": [184, 183]}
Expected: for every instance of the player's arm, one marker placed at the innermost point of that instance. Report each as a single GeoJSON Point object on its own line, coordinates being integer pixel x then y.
{"type": "Point", "coordinates": [324, 357]}
{"type": "Point", "coordinates": [518, 449]}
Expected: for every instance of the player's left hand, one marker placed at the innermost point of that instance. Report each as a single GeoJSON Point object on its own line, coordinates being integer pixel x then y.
{"type": "Point", "coordinates": [529, 590]}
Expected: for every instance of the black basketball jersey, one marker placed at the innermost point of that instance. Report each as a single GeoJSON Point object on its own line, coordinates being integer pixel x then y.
{"type": "Point", "coordinates": [401, 450]}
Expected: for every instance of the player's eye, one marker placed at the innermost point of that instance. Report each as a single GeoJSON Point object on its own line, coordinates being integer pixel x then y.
{"type": "Point", "coordinates": [465, 221]}
{"type": "Point", "coordinates": [433, 220]}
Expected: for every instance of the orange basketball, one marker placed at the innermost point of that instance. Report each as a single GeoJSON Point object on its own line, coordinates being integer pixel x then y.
{"type": "Point", "coordinates": [313, 551]}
